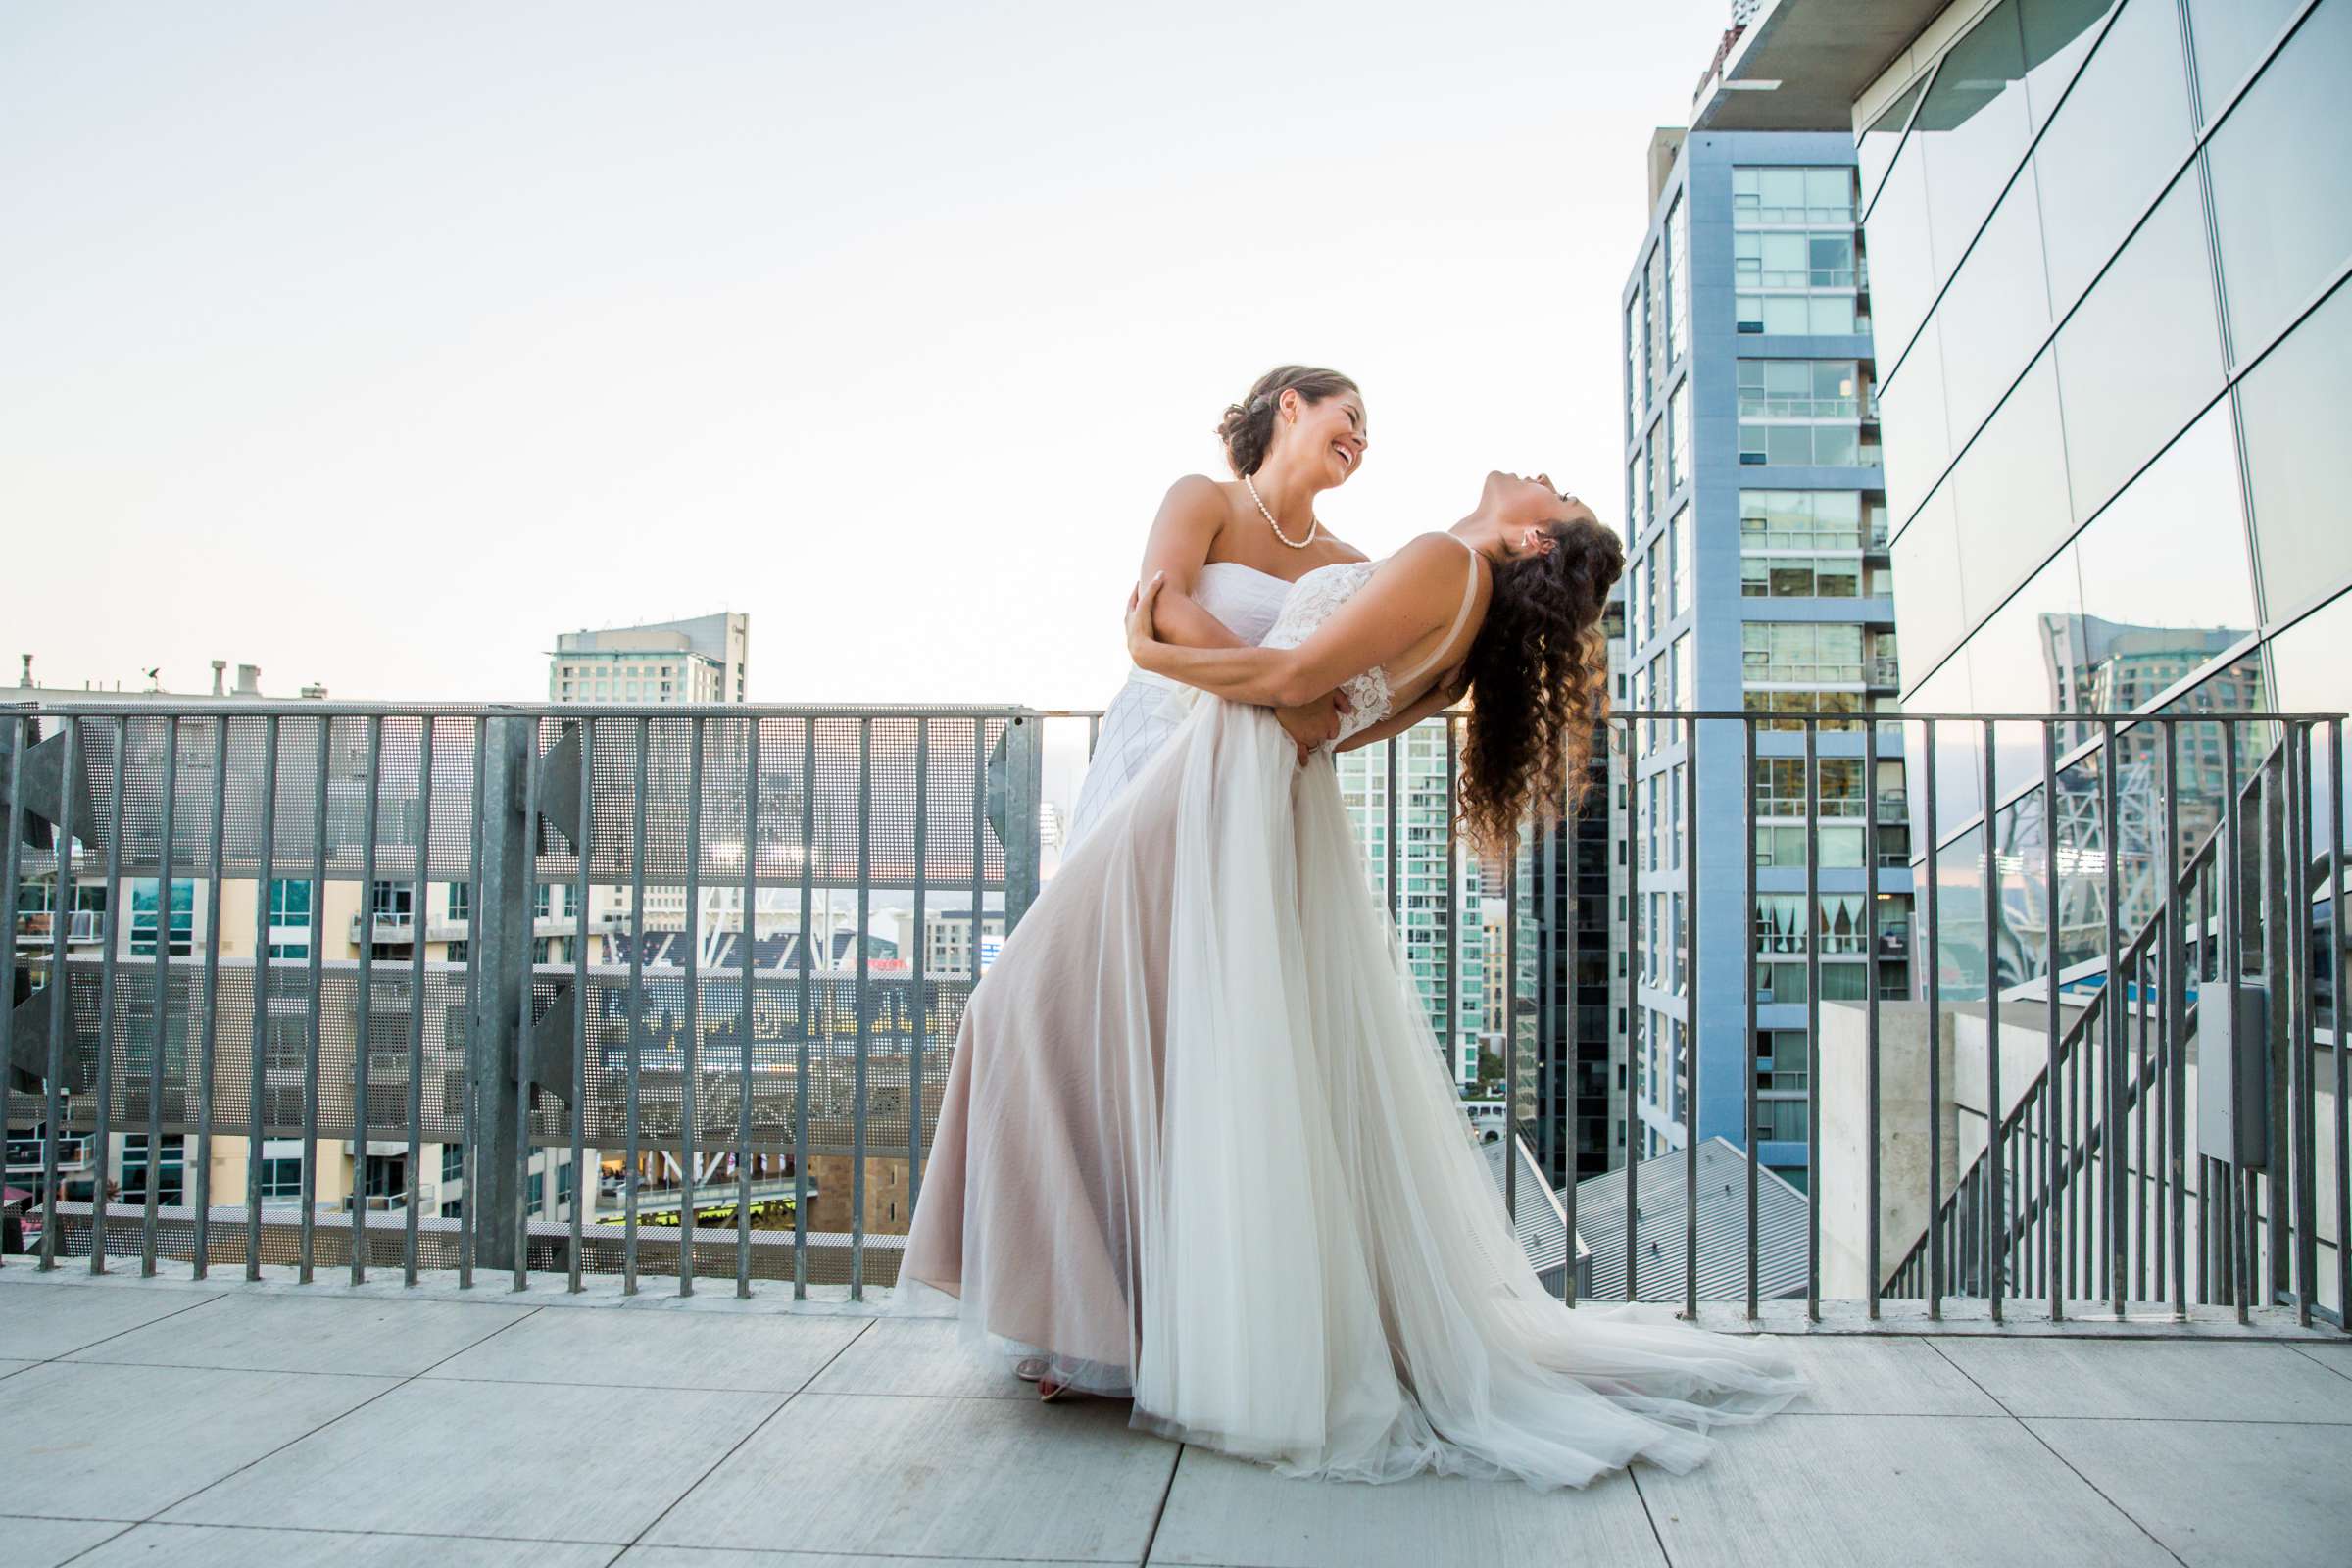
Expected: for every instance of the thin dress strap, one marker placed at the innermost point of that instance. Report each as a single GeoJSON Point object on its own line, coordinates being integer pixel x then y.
{"type": "Point", "coordinates": [1469, 597]}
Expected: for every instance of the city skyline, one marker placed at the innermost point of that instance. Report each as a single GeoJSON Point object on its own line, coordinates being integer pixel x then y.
{"type": "Point", "coordinates": [395, 329]}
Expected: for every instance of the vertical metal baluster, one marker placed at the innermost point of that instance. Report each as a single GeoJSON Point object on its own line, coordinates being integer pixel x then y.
{"type": "Point", "coordinates": [1933, 954]}
{"type": "Point", "coordinates": [315, 1019]}
{"type": "Point", "coordinates": [1636, 1053]}
{"type": "Point", "coordinates": [922, 984]}
{"type": "Point", "coordinates": [801, 1075]}
{"type": "Point", "coordinates": [258, 1069]}
{"type": "Point", "coordinates": [864, 1040]}
{"type": "Point", "coordinates": [1996, 1217]}
{"type": "Point", "coordinates": [632, 1090]}
{"type": "Point", "coordinates": [1690, 1000]}
{"type": "Point", "coordinates": [469, 1156]}
{"type": "Point", "coordinates": [2142, 989]}
{"type": "Point", "coordinates": [2232, 978]}
{"type": "Point", "coordinates": [362, 1039]}
{"type": "Point", "coordinates": [1814, 923]}
{"type": "Point", "coordinates": [527, 1010]}
{"type": "Point", "coordinates": [2114, 1140]}
{"type": "Point", "coordinates": [2174, 1022]}
{"type": "Point", "coordinates": [1392, 885]}
{"type": "Point", "coordinates": [1870, 1016]}
{"type": "Point", "coordinates": [799, 1093]}
{"type": "Point", "coordinates": [1747, 918]}
{"type": "Point", "coordinates": [103, 1134]}
{"type": "Point", "coordinates": [207, 1044]}
{"type": "Point", "coordinates": [751, 966]}
{"type": "Point", "coordinates": [2336, 953]}
{"type": "Point", "coordinates": [61, 983]}
{"type": "Point", "coordinates": [419, 916]}
{"type": "Point", "coordinates": [1454, 999]}
{"type": "Point", "coordinates": [1094, 733]}
{"type": "Point", "coordinates": [2053, 961]}
{"type": "Point", "coordinates": [151, 1216]}
{"type": "Point", "coordinates": [690, 1060]}
{"type": "Point", "coordinates": [2302, 996]}
{"type": "Point", "coordinates": [20, 736]}
{"type": "Point", "coordinates": [583, 1180]}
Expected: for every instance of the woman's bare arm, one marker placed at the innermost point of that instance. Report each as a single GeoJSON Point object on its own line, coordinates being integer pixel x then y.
{"type": "Point", "coordinates": [1182, 536]}
{"type": "Point", "coordinates": [1417, 591]}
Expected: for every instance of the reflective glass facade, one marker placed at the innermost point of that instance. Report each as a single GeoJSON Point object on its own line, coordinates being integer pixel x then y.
{"type": "Point", "coordinates": [1760, 582]}
{"type": "Point", "coordinates": [2107, 244]}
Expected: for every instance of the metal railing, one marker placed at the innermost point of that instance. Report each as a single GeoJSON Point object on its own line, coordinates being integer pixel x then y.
{"type": "Point", "coordinates": [782, 1088]}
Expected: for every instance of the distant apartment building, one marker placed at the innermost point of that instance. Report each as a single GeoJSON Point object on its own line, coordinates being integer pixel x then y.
{"type": "Point", "coordinates": [1758, 582]}
{"type": "Point", "coordinates": [2108, 247]}
{"type": "Point", "coordinates": [331, 918]}
{"type": "Point", "coordinates": [1573, 960]}
{"type": "Point", "coordinates": [698, 661]}
{"type": "Point", "coordinates": [1438, 897]}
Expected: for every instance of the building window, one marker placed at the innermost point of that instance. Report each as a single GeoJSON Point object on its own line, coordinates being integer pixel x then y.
{"type": "Point", "coordinates": [1801, 577]}
{"type": "Point", "coordinates": [1678, 437]}
{"type": "Point", "coordinates": [1766, 197]}
{"type": "Point", "coordinates": [1795, 652]}
{"type": "Point", "coordinates": [289, 919]}
{"type": "Point", "coordinates": [281, 1179]}
{"type": "Point", "coordinates": [1678, 547]}
{"type": "Point", "coordinates": [1803, 519]}
{"type": "Point", "coordinates": [143, 916]}
{"type": "Point", "coordinates": [1678, 277]}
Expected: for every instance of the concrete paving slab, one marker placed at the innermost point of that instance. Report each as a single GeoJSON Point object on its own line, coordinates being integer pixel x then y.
{"type": "Point", "coordinates": [41, 1318]}
{"type": "Point", "coordinates": [776, 1352]}
{"type": "Point", "coordinates": [701, 1558]}
{"type": "Point", "coordinates": [243, 1547]}
{"type": "Point", "coordinates": [2335, 1356]}
{"type": "Point", "coordinates": [934, 1478]}
{"type": "Point", "coordinates": [46, 1542]}
{"type": "Point", "coordinates": [1893, 1376]}
{"type": "Point", "coordinates": [1236, 1514]}
{"type": "Point", "coordinates": [12, 1368]}
{"type": "Point", "coordinates": [96, 1442]}
{"type": "Point", "coordinates": [2168, 1379]}
{"type": "Point", "coordinates": [510, 1460]}
{"type": "Point", "coordinates": [911, 1355]}
{"type": "Point", "coordinates": [2219, 1493]}
{"type": "Point", "coordinates": [280, 1332]}
{"type": "Point", "coordinates": [1863, 1491]}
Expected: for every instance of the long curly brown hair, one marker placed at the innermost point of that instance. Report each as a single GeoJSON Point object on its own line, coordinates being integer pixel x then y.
{"type": "Point", "coordinates": [1538, 674]}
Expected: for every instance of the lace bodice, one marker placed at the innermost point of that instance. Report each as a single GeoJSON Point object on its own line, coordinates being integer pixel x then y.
{"type": "Point", "coordinates": [1313, 599]}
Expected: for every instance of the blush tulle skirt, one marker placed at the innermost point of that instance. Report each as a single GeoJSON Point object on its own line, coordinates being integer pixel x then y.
{"type": "Point", "coordinates": [1197, 1146]}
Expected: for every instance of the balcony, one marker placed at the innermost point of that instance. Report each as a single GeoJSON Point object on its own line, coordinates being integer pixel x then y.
{"type": "Point", "coordinates": [2020, 1417]}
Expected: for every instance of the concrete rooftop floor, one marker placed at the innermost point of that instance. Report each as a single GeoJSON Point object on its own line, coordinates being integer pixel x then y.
{"type": "Point", "coordinates": [260, 1423]}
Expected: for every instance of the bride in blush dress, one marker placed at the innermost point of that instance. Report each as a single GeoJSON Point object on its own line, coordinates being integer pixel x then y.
{"type": "Point", "coordinates": [1197, 1146]}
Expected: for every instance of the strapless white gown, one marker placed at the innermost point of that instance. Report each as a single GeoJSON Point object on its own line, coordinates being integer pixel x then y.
{"type": "Point", "coordinates": [1197, 1145]}
{"type": "Point", "coordinates": [1149, 707]}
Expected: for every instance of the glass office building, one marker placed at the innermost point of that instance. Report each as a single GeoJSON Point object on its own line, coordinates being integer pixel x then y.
{"type": "Point", "coordinates": [2107, 246]}
{"type": "Point", "coordinates": [1758, 581]}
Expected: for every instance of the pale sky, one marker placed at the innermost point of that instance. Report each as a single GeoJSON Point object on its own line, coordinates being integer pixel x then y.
{"type": "Point", "coordinates": [374, 345]}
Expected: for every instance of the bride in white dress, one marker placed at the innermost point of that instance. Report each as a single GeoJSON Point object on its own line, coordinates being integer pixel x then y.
{"type": "Point", "coordinates": [1299, 431]}
{"type": "Point", "coordinates": [1197, 1145]}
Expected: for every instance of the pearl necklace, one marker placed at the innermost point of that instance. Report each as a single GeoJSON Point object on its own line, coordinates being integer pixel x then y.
{"type": "Point", "coordinates": [1313, 524]}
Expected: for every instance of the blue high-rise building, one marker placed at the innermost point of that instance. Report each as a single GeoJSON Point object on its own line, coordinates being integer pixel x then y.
{"type": "Point", "coordinates": [1759, 583]}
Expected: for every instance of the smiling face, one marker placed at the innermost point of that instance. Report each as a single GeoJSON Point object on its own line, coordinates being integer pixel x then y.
{"type": "Point", "coordinates": [1326, 438]}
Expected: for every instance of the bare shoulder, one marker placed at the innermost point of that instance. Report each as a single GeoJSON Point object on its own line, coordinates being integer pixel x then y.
{"type": "Point", "coordinates": [1194, 492]}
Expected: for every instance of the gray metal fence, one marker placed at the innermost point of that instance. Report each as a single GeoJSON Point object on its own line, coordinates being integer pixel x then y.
{"type": "Point", "coordinates": [588, 938]}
